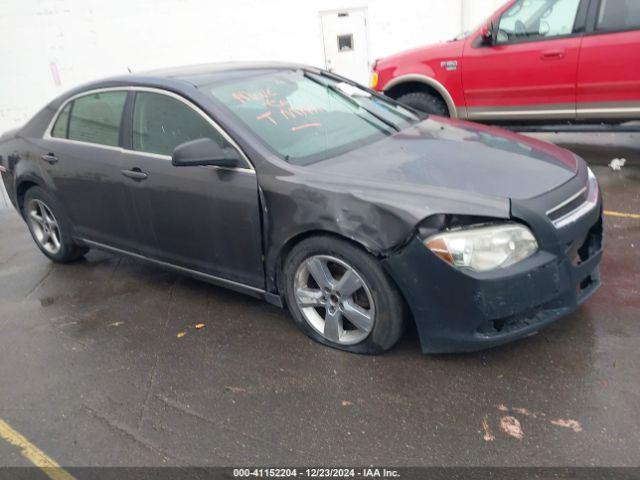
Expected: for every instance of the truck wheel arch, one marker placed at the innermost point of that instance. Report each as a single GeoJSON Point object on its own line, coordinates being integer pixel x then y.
{"type": "Point", "coordinates": [430, 83]}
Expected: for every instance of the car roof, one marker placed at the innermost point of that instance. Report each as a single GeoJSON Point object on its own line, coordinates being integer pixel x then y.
{"type": "Point", "coordinates": [203, 74]}
{"type": "Point", "coordinates": [211, 68]}
{"type": "Point", "coordinates": [176, 79]}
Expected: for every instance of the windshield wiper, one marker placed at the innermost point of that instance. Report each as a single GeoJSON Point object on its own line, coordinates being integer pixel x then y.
{"type": "Point", "coordinates": [353, 101]}
{"type": "Point", "coordinates": [380, 96]}
{"type": "Point", "coordinates": [356, 103]}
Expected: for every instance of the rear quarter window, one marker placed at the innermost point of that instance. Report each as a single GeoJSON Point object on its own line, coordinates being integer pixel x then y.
{"type": "Point", "coordinates": [62, 123]}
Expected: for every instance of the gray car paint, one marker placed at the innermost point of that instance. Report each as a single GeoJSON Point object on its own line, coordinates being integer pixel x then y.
{"type": "Point", "coordinates": [485, 162]}
{"type": "Point", "coordinates": [375, 196]}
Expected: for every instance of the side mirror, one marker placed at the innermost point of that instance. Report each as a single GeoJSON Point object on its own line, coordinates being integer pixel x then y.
{"type": "Point", "coordinates": [486, 32]}
{"type": "Point", "coordinates": [204, 151]}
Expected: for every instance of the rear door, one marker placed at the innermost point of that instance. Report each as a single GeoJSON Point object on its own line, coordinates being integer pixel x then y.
{"type": "Point", "coordinates": [81, 155]}
{"type": "Point", "coordinates": [202, 218]}
{"type": "Point", "coordinates": [529, 70]}
{"type": "Point", "coordinates": [609, 72]}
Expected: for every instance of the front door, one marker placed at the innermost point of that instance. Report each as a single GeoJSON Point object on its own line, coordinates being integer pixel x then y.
{"type": "Point", "coordinates": [346, 49]}
{"type": "Point", "coordinates": [81, 156]}
{"type": "Point", "coordinates": [608, 74]}
{"type": "Point", "coordinates": [529, 71]}
{"type": "Point", "coordinates": [202, 218]}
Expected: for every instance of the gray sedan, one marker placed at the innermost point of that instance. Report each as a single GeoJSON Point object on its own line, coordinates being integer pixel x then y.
{"type": "Point", "coordinates": [305, 189]}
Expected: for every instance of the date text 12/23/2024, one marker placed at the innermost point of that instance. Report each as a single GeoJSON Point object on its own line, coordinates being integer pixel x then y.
{"type": "Point", "coordinates": [369, 472]}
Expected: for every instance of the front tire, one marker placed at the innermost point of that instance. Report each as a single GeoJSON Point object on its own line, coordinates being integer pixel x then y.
{"type": "Point", "coordinates": [425, 102]}
{"type": "Point", "coordinates": [49, 227]}
{"type": "Point", "coordinates": [340, 296]}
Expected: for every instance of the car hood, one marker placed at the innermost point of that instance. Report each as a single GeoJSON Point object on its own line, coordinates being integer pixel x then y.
{"type": "Point", "coordinates": [427, 53]}
{"type": "Point", "coordinates": [460, 156]}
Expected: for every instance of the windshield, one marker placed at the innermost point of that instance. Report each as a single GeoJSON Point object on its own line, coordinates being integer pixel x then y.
{"type": "Point", "coordinates": [305, 117]}
{"type": "Point", "coordinates": [466, 33]}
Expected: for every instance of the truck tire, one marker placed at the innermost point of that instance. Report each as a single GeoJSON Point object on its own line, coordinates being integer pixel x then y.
{"type": "Point", "coordinates": [425, 102]}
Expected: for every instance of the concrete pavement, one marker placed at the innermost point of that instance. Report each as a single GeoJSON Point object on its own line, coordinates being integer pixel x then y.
{"type": "Point", "coordinates": [92, 371]}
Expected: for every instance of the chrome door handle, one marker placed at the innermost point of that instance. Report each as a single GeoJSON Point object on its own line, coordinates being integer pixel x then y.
{"type": "Point", "coordinates": [50, 158]}
{"type": "Point", "coordinates": [135, 174]}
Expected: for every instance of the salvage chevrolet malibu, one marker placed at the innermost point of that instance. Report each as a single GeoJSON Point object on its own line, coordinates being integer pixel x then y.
{"type": "Point", "coordinates": [305, 189]}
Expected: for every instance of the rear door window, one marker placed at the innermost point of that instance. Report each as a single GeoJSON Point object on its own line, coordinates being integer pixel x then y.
{"type": "Point", "coordinates": [615, 15]}
{"type": "Point", "coordinates": [161, 123]}
{"type": "Point", "coordinates": [95, 118]}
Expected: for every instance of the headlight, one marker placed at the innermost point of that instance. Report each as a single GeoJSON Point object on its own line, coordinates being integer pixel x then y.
{"type": "Point", "coordinates": [484, 248]}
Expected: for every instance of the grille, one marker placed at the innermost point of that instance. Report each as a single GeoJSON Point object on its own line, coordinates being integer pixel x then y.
{"type": "Point", "coordinates": [568, 207]}
{"type": "Point", "coordinates": [576, 206]}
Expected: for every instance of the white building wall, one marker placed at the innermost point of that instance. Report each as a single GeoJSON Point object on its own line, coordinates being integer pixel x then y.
{"type": "Point", "coordinates": [49, 46]}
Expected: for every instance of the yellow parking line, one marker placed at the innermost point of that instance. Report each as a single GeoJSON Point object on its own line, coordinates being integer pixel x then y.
{"type": "Point", "coordinates": [32, 453]}
{"type": "Point", "coordinates": [611, 213]}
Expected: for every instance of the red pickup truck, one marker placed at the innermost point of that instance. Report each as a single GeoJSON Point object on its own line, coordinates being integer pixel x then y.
{"type": "Point", "coordinates": [533, 60]}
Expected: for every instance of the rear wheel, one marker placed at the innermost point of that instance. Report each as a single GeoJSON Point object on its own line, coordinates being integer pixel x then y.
{"type": "Point", "coordinates": [49, 227]}
{"type": "Point", "coordinates": [340, 296]}
{"type": "Point", "coordinates": [425, 102]}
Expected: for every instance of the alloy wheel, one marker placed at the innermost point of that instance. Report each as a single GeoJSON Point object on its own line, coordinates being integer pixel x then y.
{"type": "Point", "coordinates": [334, 299]}
{"type": "Point", "coordinates": [44, 226]}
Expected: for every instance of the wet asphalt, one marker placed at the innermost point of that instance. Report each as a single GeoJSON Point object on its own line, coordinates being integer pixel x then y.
{"type": "Point", "coordinates": [93, 372]}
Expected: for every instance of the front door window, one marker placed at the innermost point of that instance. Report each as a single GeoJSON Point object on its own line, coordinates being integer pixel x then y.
{"type": "Point", "coordinates": [161, 123]}
{"type": "Point", "coordinates": [529, 20]}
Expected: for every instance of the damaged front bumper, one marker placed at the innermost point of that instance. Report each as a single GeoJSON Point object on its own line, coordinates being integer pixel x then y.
{"type": "Point", "coordinates": [463, 311]}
